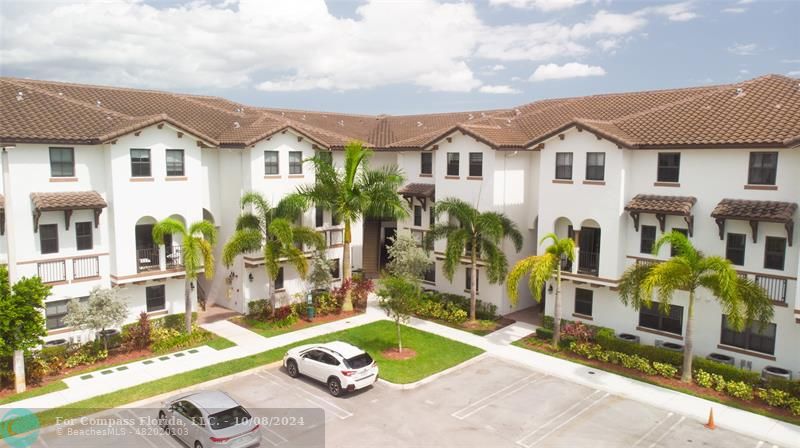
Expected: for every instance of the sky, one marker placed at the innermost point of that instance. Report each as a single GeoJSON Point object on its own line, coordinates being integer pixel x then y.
{"type": "Point", "coordinates": [400, 56]}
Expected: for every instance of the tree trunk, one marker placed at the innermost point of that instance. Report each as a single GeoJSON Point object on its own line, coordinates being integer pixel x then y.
{"type": "Point", "coordinates": [399, 339]}
{"type": "Point", "coordinates": [346, 269]}
{"type": "Point", "coordinates": [19, 371]}
{"type": "Point", "coordinates": [188, 305]}
{"type": "Point", "coordinates": [473, 285]}
{"type": "Point", "coordinates": [557, 309]}
{"type": "Point", "coordinates": [686, 374]}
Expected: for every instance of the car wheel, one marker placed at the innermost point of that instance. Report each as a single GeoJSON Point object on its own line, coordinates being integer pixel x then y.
{"type": "Point", "coordinates": [162, 421]}
{"type": "Point", "coordinates": [291, 368]}
{"type": "Point", "coordinates": [335, 386]}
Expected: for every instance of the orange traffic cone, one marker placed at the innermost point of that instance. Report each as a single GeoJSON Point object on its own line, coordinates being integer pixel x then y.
{"type": "Point", "coordinates": [710, 424]}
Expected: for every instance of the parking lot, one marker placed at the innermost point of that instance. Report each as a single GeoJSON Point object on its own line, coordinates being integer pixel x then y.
{"type": "Point", "coordinates": [489, 403]}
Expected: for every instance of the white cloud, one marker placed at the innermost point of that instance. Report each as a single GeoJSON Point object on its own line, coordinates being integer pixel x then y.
{"type": "Point", "coordinates": [543, 5]}
{"type": "Point", "coordinates": [743, 49]}
{"type": "Point", "coordinates": [744, 71]}
{"type": "Point", "coordinates": [568, 70]}
{"type": "Point", "coordinates": [498, 89]}
{"type": "Point", "coordinates": [497, 67]}
{"type": "Point", "coordinates": [608, 44]}
{"type": "Point", "coordinates": [676, 12]}
{"type": "Point", "coordinates": [734, 10]}
{"type": "Point", "coordinates": [790, 61]}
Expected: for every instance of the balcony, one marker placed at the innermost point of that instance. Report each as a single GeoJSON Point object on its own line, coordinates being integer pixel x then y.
{"type": "Point", "coordinates": [174, 257]}
{"type": "Point", "coordinates": [588, 262]}
{"type": "Point", "coordinates": [52, 271]}
{"type": "Point", "coordinates": [147, 260]}
{"type": "Point", "coordinates": [85, 267]}
{"type": "Point", "coordinates": [66, 270]}
{"type": "Point", "coordinates": [775, 287]}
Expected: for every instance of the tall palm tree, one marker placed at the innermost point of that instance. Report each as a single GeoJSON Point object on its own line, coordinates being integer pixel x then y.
{"type": "Point", "coordinates": [197, 253]}
{"type": "Point", "coordinates": [540, 269]}
{"type": "Point", "coordinates": [273, 231]}
{"type": "Point", "coordinates": [742, 300]}
{"type": "Point", "coordinates": [355, 192]}
{"type": "Point", "coordinates": [479, 235]}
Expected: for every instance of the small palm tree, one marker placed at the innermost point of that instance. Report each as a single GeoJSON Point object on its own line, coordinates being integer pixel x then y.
{"type": "Point", "coordinates": [742, 300]}
{"type": "Point", "coordinates": [197, 253]}
{"type": "Point", "coordinates": [479, 235]}
{"type": "Point", "coordinates": [540, 269]}
{"type": "Point", "coordinates": [274, 232]}
{"type": "Point", "coordinates": [355, 192]}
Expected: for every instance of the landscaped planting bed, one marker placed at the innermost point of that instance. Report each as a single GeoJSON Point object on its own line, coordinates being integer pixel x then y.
{"type": "Point", "coordinates": [453, 310]}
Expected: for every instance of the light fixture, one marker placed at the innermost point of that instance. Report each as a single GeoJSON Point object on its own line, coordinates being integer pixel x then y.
{"type": "Point", "coordinates": [550, 289]}
{"type": "Point", "coordinates": [192, 285]}
{"type": "Point", "coordinates": [250, 277]}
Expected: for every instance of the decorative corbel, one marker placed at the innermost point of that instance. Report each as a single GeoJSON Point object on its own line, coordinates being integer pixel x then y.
{"type": "Point", "coordinates": [662, 221]}
{"type": "Point", "coordinates": [180, 134]}
{"type": "Point", "coordinates": [36, 215]}
{"type": "Point", "coordinates": [424, 202]}
{"type": "Point", "coordinates": [721, 225]}
{"type": "Point", "coordinates": [754, 228]}
{"type": "Point", "coordinates": [789, 225]}
{"type": "Point", "coordinates": [160, 125]}
{"type": "Point", "coordinates": [635, 216]}
{"type": "Point", "coordinates": [3, 222]}
{"type": "Point", "coordinates": [689, 223]}
{"type": "Point", "coordinates": [97, 212]}
{"type": "Point", "coordinates": [67, 217]}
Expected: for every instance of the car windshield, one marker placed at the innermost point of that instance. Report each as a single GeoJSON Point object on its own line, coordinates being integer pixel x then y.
{"type": "Point", "coordinates": [228, 418]}
{"type": "Point", "coordinates": [357, 362]}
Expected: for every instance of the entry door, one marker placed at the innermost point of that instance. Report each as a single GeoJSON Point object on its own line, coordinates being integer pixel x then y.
{"type": "Point", "coordinates": [589, 250]}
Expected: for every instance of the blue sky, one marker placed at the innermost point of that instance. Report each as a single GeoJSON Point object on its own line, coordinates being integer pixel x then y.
{"type": "Point", "coordinates": [409, 56]}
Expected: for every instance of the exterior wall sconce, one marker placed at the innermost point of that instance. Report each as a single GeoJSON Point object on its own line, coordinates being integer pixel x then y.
{"type": "Point", "coordinates": [550, 289]}
{"type": "Point", "coordinates": [192, 285]}
{"type": "Point", "coordinates": [250, 277]}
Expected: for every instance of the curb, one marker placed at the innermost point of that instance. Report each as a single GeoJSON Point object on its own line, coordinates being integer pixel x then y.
{"type": "Point", "coordinates": [433, 377]}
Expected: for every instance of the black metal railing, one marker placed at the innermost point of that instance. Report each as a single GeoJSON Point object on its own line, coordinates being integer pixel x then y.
{"type": "Point", "coordinates": [589, 262]}
{"type": "Point", "coordinates": [147, 259]}
{"type": "Point", "coordinates": [85, 267]}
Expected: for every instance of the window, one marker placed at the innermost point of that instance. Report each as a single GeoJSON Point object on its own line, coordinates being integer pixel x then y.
{"type": "Point", "coordinates": [476, 164]}
{"type": "Point", "coordinates": [326, 156]}
{"type": "Point", "coordinates": [734, 248]}
{"type": "Point", "coordinates": [295, 162]}
{"type": "Point", "coordinates": [653, 319]}
{"type": "Point", "coordinates": [752, 338]}
{"type": "Point", "coordinates": [175, 162]}
{"type": "Point", "coordinates": [669, 166]}
{"type": "Point", "coordinates": [426, 163]}
{"type": "Point", "coordinates": [83, 235]}
{"type": "Point", "coordinates": [335, 271]}
{"type": "Point", "coordinates": [648, 238]}
{"type": "Point", "coordinates": [48, 238]}
{"type": "Point", "coordinates": [140, 163]}
{"type": "Point", "coordinates": [563, 165]}
{"type": "Point", "coordinates": [774, 253]}
{"type": "Point", "coordinates": [468, 285]}
{"type": "Point", "coordinates": [431, 216]}
{"type": "Point", "coordinates": [430, 273]}
{"type": "Point", "coordinates": [328, 359]}
{"type": "Point", "coordinates": [583, 301]}
{"type": "Point", "coordinates": [156, 298]}
{"type": "Point", "coordinates": [452, 163]}
{"type": "Point", "coordinates": [62, 162]}
{"type": "Point", "coordinates": [319, 217]}
{"type": "Point", "coordinates": [279, 279]}
{"type": "Point", "coordinates": [685, 232]}
{"type": "Point", "coordinates": [56, 311]}
{"type": "Point", "coordinates": [595, 165]}
{"type": "Point", "coordinates": [763, 167]}
{"type": "Point", "coordinates": [335, 221]}
{"type": "Point", "coordinates": [270, 163]}
{"type": "Point", "coordinates": [417, 216]}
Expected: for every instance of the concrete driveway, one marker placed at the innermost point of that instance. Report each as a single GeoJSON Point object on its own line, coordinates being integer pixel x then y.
{"type": "Point", "coordinates": [489, 403]}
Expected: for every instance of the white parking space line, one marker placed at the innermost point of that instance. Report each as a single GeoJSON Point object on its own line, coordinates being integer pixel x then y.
{"type": "Point", "coordinates": [338, 411]}
{"type": "Point", "coordinates": [170, 440]}
{"type": "Point", "coordinates": [472, 408]}
{"type": "Point", "coordinates": [149, 442]}
{"type": "Point", "coordinates": [651, 430]}
{"type": "Point", "coordinates": [671, 428]}
{"type": "Point", "coordinates": [275, 434]}
{"type": "Point", "coordinates": [591, 397]}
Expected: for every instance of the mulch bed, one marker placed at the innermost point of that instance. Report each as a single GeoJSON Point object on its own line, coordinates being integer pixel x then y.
{"type": "Point", "coordinates": [303, 322]}
{"type": "Point", "coordinates": [394, 355]}
{"type": "Point", "coordinates": [670, 383]}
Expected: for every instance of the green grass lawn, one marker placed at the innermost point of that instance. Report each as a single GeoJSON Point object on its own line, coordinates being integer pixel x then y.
{"type": "Point", "coordinates": [434, 354]}
{"type": "Point", "coordinates": [55, 386]}
{"type": "Point", "coordinates": [219, 343]}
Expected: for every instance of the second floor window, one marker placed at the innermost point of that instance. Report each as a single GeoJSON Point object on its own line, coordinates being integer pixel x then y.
{"type": "Point", "coordinates": [734, 248]}
{"type": "Point", "coordinates": [140, 163]}
{"type": "Point", "coordinates": [62, 162]}
{"type": "Point", "coordinates": [417, 216]}
{"type": "Point", "coordinates": [774, 253]}
{"type": "Point", "coordinates": [672, 251]}
{"type": "Point", "coordinates": [452, 163]}
{"type": "Point", "coordinates": [426, 163]}
{"type": "Point", "coordinates": [319, 217]}
{"type": "Point", "coordinates": [295, 162]}
{"type": "Point", "coordinates": [83, 235]}
{"type": "Point", "coordinates": [648, 239]}
{"type": "Point", "coordinates": [476, 164]}
{"type": "Point", "coordinates": [48, 238]}
{"type": "Point", "coordinates": [763, 168]}
{"type": "Point", "coordinates": [669, 166]}
{"type": "Point", "coordinates": [563, 165]}
{"type": "Point", "coordinates": [595, 165]}
{"type": "Point", "coordinates": [270, 163]}
{"type": "Point", "coordinates": [175, 162]}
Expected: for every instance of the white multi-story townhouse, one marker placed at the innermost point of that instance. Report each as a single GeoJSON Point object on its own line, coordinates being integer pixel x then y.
{"type": "Point", "coordinates": [88, 170]}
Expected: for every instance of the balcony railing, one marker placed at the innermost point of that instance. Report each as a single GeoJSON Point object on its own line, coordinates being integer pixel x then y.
{"type": "Point", "coordinates": [647, 261]}
{"type": "Point", "coordinates": [775, 287]}
{"type": "Point", "coordinates": [589, 262]}
{"type": "Point", "coordinates": [52, 271]}
{"type": "Point", "coordinates": [174, 256]}
{"type": "Point", "coordinates": [147, 259]}
{"type": "Point", "coordinates": [85, 267]}
{"type": "Point", "coordinates": [332, 237]}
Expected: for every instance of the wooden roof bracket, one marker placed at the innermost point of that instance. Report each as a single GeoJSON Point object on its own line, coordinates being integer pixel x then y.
{"type": "Point", "coordinates": [754, 228]}
{"type": "Point", "coordinates": [721, 226]}
{"type": "Point", "coordinates": [36, 215]}
{"type": "Point", "coordinates": [3, 222]}
{"type": "Point", "coordinates": [97, 213]}
{"type": "Point", "coordinates": [67, 217]}
{"type": "Point", "coordinates": [689, 223]}
{"type": "Point", "coordinates": [789, 225]}
{"type": "Point", "coordinates": [635, 216]}
{"type": "Point", "coordinates": [662, 221]}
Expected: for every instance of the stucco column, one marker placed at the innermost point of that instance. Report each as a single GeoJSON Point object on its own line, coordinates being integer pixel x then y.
{"type": "Point", "coordinates": [576, 236]}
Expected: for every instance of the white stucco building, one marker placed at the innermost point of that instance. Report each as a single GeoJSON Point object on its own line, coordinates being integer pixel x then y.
{"type": "Point", "coordinates": [87, 170]}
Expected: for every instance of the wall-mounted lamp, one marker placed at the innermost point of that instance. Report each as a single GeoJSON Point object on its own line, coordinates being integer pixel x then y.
{"type": "Point", "coordinates": [550, 289]}
{"type": "Point", "coordinates": [192, 285]}
{"type": "Point", "coordinates": [250, 277]}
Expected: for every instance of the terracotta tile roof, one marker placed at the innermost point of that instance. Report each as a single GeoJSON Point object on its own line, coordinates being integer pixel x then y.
{"type": "Point", "coordinates": [71, 200]}
{"type": "Point", "coordinates": [765, 112]}
{"type": "Point", "coordinates": [418, 190]}
{"type": "Point", "coordinates": [668, 205]}
{"type": "Point", "coordinates": [772, 211]}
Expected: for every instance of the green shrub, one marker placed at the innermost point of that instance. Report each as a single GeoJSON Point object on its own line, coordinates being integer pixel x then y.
{"type": "Point", "coordinates": [609, 341]}
{"type": "Point", "coordinates": [300, 308]}
{"type": "Point", "coordinates": [174, 321]}
{"type": "Point", "coordinates": [740, 390]}
{"type": "Point", "coordinates": [703, 378]}
{"type": "Point", "coordinates": [483, 310]}
{"type": "Point", "coordinates": [88, 353]}
{"type": "Point", "coordinates": [137, 335]}
{"type": "Point", "coordinates": [167, 339]}
{"type": "Point", "coordinates": [774, 397]}
{"type": "Point", "coordinates": [449, 312]}
{"type": "Point", "coordinates": [730, 373]}
{"type": "Point", "coordinates": [665, 370]}
{"type": "Point", "coordinates": [794, 405]}
{"type": "Point", "coordinates": [260, 309]}
{"type": "Point", "coordinates": [327, 304]}
{"type": "Point", "coordinates": [790, 386]}
{"type": "Point", "coordinates": [544, 333]}
{"type": "Point", "coordinates": [638, 363]}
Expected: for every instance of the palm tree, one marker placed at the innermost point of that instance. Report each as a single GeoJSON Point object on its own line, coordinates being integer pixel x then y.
{"type": "Point", "coordinates": [355, 192]}
{"type": "Point", "coordinates": [541, 268]}
{"type": "Point", "coordinates": [197, 253]}
{"type": "Point", "coordinates": [479, 235]}
{"type": "Point", "coordinates": [274, 232]}
{"type": "Point", "coordinates": [742, 300]}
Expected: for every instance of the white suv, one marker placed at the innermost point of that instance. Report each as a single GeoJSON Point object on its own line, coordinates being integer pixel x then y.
{"type": "Point", "coordinates": [343, 367]}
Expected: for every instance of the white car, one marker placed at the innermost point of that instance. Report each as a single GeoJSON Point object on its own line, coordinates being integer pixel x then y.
{"type": "Point", "coordinates": [342, 366]}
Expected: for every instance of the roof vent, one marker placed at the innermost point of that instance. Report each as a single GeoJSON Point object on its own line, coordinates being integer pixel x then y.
{"type": "Point", "coordinates": [739, 91]}
{"type": "Point", "coordinates": [483, 114]}
{"type": "Point", "coordinates": [236, 125]}
{"type": "Point", "coordinates": [341, 123]}
{"type": "Point", "coordinates": [60, 93]}
{"type": "Point", "coordinates": [470, 117]}
{"type": "Point", "coordinates": [282, 114]}
{"type": "Point", "coordinates": [517, 111]}
{"type": "Point", "coordinates": [20, 96]}
{"type": "Point", "coordinates": [419, 124]}
{"type": "Point", "coordinates": [99, 103]}
{"type": "Point", "coordinates": [304, 117]}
